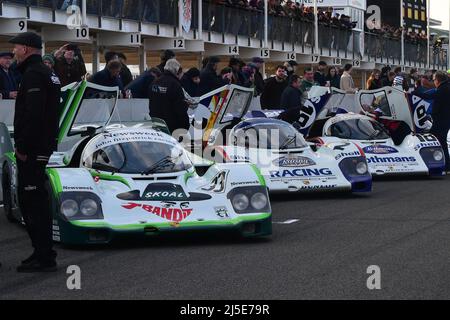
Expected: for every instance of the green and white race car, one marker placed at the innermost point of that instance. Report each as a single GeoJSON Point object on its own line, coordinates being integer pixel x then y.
{"type": "Point", "coordinates": [113, 176]}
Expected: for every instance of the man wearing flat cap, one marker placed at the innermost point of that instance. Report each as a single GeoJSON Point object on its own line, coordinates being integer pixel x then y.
{"type": "Point", "coordinates": [8, 78]}
{"type": "Point", "coordinates": [35, 135]}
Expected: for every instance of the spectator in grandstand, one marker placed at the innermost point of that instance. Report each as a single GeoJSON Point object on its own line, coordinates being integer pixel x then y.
{"type": "Point", "coordinates": [8, 81]}
{"type": "Point", "coordinates": [166, 55]}
{"type": "Point", "coordinates": [333, 78]}
{"type": "Point", "coordinates": [292, 96]}
{"type": "Point", "coordinates": [320, 75]}
{"type": "Point", "coordinates": [69, 65]}
{"type": "Point", "coordinates": [125, 74]}
{"type": "Point", "coordinates": [140, 87]}
{"type": "Point", "coordinates": [374, 81]}
{"type": "Point", "coordinates": [167, 100]}
{"type": "Point", "coordinates": [209, 80]}
{"type": "Point", "coordinates": [110, 76]}
{"type": "Point", "coordinates": [273, 89]}
{"type": "Point", "coordinates": [191, 82]}
{"type": "Point", "coordinates": [347, 83]}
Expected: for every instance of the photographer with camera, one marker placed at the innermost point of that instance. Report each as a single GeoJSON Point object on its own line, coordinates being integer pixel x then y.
{"type": "Point", "coordinates": [69, 64]}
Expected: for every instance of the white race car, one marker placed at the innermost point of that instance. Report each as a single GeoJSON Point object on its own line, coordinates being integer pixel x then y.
{"type": "Point", "coordinates": [364, 119]}
{"type": "Point", "coordinates": [290, 164]}
{"type": "Point", "coordinates": [109, 179]}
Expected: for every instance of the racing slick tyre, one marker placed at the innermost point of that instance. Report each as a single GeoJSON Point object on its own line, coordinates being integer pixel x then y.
{"type": "Point", "coordinates": [7, 195]}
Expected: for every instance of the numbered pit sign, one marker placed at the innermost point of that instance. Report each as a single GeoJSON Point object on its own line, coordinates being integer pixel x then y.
{"type": "Point", "coordinates": [22, 26]}
{"type": "Point", "coordinates": [337, 61]}
{"type": "Point", "coordinates": [264, 53]}
{"type": "Point", "coordinates": [178, 44]}
{"type": "Point", "coordinates": [82, 33]}
{"type": "Point", "coordinates": [315, 58]}
{"type": "Point", "coordinates": [135, 39]}
{"type": "Point", "coordinates": [356, 63]}
{"type": "Point", "coordinates": [13, 26]}
{"type": "Point", "coordinates": [233, 50]}
{"type": "Point", "coordinates": [291, 56]}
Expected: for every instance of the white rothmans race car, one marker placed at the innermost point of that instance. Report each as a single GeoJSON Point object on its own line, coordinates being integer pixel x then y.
{"type": "Point", "coordinates": [287, 162]}
{"type": "Point", "coordinates": [112, 179]}
{"type": "Point", "coordinates": [290, 164]}
{"type": "Point", "coordinates": [339, 117]}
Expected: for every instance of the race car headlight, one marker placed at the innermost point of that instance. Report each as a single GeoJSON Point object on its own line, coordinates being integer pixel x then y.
{"type": "Point", "coordinates": [433, 157]}
{"type": "Point", "coordinates": [81, 206]}
{"type": "Point", "coordinates": [240, 202]}
{"type": "Point", "coordinates": [253, 199]}
{"type": "Point", "coordinates": [361, 168]}
{"type": "Point", "coordinates": [352, 167]}
{"type": "Point", "coordinates": [438, 155]}
{"type": "Point", "coordinates": [69, 208]}
{"type": "Point", "coordinates": [88, 207]}
{"type": "Point", "coordinates": [259, 201]}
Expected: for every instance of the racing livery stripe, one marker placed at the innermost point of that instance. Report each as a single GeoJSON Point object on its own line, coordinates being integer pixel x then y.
{"type": "Point", "coordinates": [68, 103]}
{"type": "Point", "coordinates": [188, 175]}
{"type": "Point", "coordinates": [55, 180]}
{"type": "Point", "coordinates": [138, 227]}
{"type": "Point", "coordinates": [109, 177]}
{"type": "Point", "coordinates": [71, 113]}
{"type": "Point", "coordinates": [363, 154]}
{"type": "Point", "coordinates": [261, 179]}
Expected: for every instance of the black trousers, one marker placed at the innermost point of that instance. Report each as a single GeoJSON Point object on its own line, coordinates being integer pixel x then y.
{"type": "Point", "coordinates": [441, 135]}
{"type": "Point", "coordinates": [34, 206]}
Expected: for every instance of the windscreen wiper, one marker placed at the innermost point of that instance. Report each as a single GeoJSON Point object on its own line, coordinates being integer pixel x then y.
{"type": "Point", "coordinates": [164, 162]}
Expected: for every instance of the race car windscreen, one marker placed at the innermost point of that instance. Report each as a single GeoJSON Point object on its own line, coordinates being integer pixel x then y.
{"type": "Point", "coordinates": [358, 129]}
{"type": "Point", "coordinates": [236, 106]}
{"type": "Point", "coordinates": [268, 135]}
{"type": "Point", "coordinates": [95, 110]}
{"type": "Point", "coordinates": [376, 102]}
{"type": "Point", "coordinates": [139, 157]}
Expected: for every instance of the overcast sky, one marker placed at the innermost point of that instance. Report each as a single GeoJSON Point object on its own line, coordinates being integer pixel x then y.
{"type": "Point", "coordinates": [440, 11]}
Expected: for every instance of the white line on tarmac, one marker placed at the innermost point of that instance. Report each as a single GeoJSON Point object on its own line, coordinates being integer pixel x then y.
{"type": "Point", "coordinates": [288, 221]}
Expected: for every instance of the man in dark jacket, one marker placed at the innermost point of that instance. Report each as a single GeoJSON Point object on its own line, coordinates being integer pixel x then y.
{"type": "Point", "coordinates": [292, 96]}
{"type": "Point", "coordinates": [441, 111]}
{"type": "Point", "coordinates": [165, 56]}
{"type": "Point", "coordinates": [320, 75]}
{"type": "Point", "coordinates": [110, 76]}
{"type": "Point", "coordinates": [68, 67]}
{"type": "Point", "coordinates": [140, 87]}
{"type": "Point", "coordinates": [273, 89]}
{"type": "Point", "coordinates": [8, 80]}
{"type": "Point", "coordinates": [209, 80]}
{"type": "Point", "coordinates": [35, 134]}
{"type": "Point", "coordinates": [191, 82]}
{"type": "Point", "coordinates": [257, 64]}
{"type": "Point", "coordinates": [125, 74]}
{"type": "Point", "coordinates": [167, 100]}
